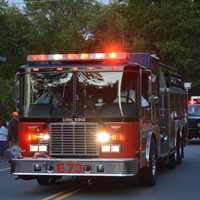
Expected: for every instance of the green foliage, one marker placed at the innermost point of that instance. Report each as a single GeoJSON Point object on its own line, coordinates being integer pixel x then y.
{"type": "Point", "coordinates": [60, 26]}
{"type": "Point", "coordinates": [168, 28]}
{"type": "Point", "coordinates": [6, 98]}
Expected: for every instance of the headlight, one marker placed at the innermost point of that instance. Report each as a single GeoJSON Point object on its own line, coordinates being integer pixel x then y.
{"type": "Point", "coordinates": [105, 148]}
{"type": "Point", "coordinates": [103, 137]}
{"type": "Point", "coordinates": [34, 137]}
{"type": "Point", "coordinates": [38, 148]}
{"type": "Point", "coordinates": [44, 137]}
{"type": "Point", "coordinates": [116, 148]}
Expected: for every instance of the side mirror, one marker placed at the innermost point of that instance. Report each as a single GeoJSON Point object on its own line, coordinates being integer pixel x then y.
{"type": "Point", "coordinates": [153, 78]}
{"type": "Point", "coordinates": [187, 85]}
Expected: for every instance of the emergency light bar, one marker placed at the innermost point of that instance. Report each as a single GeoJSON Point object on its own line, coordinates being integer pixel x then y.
{"type": "Point", "coordinates": [194, 100]}
{"type": "Point", "coordinates": [77, 57]}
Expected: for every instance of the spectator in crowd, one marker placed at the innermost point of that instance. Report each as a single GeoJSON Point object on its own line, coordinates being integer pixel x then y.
{"type": "Point", "coordinates": [13, 129]}
{"type": "Point", "coordinates": [3, 139]}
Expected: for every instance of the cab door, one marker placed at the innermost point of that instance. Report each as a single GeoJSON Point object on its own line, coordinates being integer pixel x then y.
{"type": "Point", "coordinates": [146, 113]}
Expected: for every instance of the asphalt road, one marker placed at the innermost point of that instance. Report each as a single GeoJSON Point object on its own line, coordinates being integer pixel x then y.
{"type": "Point", "coordinates": [181, 183]}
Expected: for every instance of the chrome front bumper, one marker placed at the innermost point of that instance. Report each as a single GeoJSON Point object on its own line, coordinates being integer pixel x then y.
{"type": "Point", "coordinates": [74, 167]}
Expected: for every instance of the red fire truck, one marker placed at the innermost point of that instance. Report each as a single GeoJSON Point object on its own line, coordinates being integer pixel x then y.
{"type": "Point", "coordinates": [98, 115]}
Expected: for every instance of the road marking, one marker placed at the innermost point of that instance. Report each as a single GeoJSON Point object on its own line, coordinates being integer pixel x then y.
{"type": "Point", "coordinates": [54, 195]}
{"type": "Point", "coordinates": [5, 169]}
{"type": "Point", "coordinates": [65, 194]}
{"type": "Point", "coordinates": [69, 194]}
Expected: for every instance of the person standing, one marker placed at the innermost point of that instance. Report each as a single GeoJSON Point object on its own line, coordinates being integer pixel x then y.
{"type": "Point", "coordinates": [3, 139]}
{"type": "Point", "coordinates": [13, 129]}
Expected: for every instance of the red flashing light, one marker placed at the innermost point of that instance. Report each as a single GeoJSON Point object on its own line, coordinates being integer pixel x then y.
{"type": "Point", "coordinates": [84, 56]}
{"type": "Point", "coordinates": [194, 100]}
{"type": "Point", "coordinates": [37, 58]}
{"type": "Point", "coordinates": [78, 57]}
{"type": "Point", "coordinates": [32, 138]}
{"type": "Point", "coordinates": [191, 102]}
{"type": "Point", "coordinates": [112, 55]}
{"type": "Point", "coordinates": [70, 56]}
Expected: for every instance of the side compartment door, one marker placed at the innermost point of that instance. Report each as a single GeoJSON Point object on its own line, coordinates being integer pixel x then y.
{"type": "Point", "coordinates": [164, 122]}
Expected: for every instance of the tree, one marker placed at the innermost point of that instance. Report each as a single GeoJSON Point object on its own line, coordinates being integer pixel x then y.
{"type": "Point", "coordinates": [61, 26]}
{"type": "Point", "coordinates": [13, 43]}
{"type": "Point", "coordinates": [168, 28]}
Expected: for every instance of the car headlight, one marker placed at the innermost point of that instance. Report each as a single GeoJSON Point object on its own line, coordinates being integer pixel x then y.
{"type": "Point", "coordinates": [103, 137]}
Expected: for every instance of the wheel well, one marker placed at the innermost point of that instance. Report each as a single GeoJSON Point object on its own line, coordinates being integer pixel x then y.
{"type": "Point", "coordinates": [148, 144]}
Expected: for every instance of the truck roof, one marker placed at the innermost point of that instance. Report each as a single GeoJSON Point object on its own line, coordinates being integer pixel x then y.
{"type": "Point", "coordinates": [142, 59]}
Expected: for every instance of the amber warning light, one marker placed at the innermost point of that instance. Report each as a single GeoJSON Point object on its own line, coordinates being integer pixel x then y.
{"type": "Point", "coordinates": [77, 57]}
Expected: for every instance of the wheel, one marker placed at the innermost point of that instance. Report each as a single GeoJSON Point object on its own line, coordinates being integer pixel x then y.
{"type": "Point", "coordinates": [172, 161]}
{"type": "Point", "coordinates": [177, 156]}
{"type": "Point", "coordinates": [47, 180]}
{"type": "Point", "coordinates": [183, 145]}
{"type": "Point", "coordinates": [179, 150]}
{"type": "Point", "coordinates": [148, 175]}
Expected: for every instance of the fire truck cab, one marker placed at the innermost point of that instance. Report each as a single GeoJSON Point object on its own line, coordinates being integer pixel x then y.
{"type": "Point", "coordinates": [98, 115]}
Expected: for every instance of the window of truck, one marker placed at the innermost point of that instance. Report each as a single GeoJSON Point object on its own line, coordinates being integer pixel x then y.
{"type": "Point", "coordinates": [92, 94]}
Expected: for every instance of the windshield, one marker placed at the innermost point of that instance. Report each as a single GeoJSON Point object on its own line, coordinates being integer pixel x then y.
{"type": "Point", "coordinates": [194, 109]}
{"type": "Point", "coordinates": [81, 94]}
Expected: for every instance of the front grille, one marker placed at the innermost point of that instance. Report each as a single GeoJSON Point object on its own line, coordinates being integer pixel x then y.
{"type": "Point", "coordinates": [73, 139]}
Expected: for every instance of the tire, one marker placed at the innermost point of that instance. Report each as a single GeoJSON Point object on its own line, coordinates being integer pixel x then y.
{"type": "Point", "coordinates": [182, 146]}
{"type": "Point", "coordinates": [172, 161]}
{"type": "Point", "coordinates": [148, 175]}
{"type": "Point", "coordinates": [47, 180]}
{"type": "Point", "coordinates": [177, 156]}
{"type": "Point", "coordinates": [179, 150]}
